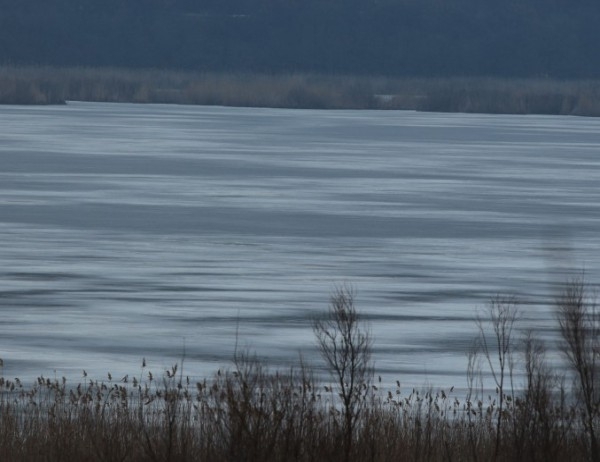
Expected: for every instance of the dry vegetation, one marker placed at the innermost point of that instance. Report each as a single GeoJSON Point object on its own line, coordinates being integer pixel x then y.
{"type": "Point", "coordinates": [45, 85]}
{"type": "Point", "coordinates": [252, 413]}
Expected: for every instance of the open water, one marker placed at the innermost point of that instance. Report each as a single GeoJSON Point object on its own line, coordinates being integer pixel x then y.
{"type": "Point", "coordinates": [159, 231]}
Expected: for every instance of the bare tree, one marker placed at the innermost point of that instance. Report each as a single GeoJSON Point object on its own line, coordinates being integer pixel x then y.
{"type": "Point", "coordinates": [345, 344]}
{"type": "Point", "coordinates": [499, 351]}
{"type": "Point", "coordinates": [540, 423]}
{"type": "Point", "coordinates": [579, 327]}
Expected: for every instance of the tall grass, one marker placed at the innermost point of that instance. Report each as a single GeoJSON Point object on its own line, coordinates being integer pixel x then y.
{"type": "Point", "coordinates": [46, 85]}
{"type": "Point", "coordinates": [250, 412]}
{"type": "Point", "coordinates": [255, 414]}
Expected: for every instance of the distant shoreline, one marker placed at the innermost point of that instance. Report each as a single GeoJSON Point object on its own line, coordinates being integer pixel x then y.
{"type": "Point", "coordinates": [52, 85]}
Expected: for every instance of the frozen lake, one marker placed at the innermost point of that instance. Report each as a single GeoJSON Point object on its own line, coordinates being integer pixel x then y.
{"type": "Point", "coordinates": [127, 231]}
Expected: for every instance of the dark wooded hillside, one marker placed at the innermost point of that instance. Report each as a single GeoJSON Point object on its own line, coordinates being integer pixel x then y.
{"type": "Point", "coordinates": [526, 38]}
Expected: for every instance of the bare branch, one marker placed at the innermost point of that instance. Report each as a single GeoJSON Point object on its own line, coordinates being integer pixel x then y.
{"type": "Point", "coordinates": [345, 345]}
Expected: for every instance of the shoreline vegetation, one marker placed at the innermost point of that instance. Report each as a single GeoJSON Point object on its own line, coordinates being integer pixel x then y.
{"type": "Point", "coordinates": [250, 412]}
{"type": "Point", "coordinates": [53, 85]}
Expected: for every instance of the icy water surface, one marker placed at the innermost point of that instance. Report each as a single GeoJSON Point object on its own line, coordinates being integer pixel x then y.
{"type": "Point", "coordinates": [129, 231]}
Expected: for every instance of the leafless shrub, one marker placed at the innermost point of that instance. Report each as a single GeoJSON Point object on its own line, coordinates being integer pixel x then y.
{"type": "Point", "coordinates": [345, 345]}
{"type": "Point", "coordinates": [498, 350]}
{"type": "Point", "coordinates": [579, 324]}
{"type": "Point", "coordinates": [540, 416]}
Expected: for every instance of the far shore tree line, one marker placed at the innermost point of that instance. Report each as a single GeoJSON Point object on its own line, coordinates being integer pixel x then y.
{"type": "Point", "coordinates": [251, 412]}
{"type": "Point", "coordinates": [48, 85]}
